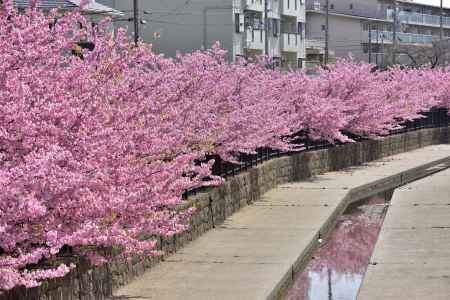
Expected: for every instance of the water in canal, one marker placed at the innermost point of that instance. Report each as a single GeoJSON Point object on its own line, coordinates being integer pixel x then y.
{"type": "Point", "coordinates": [337, 268]}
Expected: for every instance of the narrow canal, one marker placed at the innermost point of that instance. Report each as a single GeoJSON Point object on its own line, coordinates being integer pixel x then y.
{"type": "Point", "coordinates": [337, 267]}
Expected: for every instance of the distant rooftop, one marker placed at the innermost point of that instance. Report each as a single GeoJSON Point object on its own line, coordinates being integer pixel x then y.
{"type": "Point", "coordinates": [432, 3]}
{"type": "Point", "coordinates": [92, 8]}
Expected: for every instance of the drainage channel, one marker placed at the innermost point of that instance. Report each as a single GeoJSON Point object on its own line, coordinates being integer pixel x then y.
{"type": "Point", "coordinates": [337, 267]}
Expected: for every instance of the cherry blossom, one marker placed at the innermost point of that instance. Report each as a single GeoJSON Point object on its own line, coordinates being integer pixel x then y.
{"type": "Point", "coordinates": [97, 148]}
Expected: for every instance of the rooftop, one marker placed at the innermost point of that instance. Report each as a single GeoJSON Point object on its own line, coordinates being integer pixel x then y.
{"type": "Point", "coordinates": [92, 8]}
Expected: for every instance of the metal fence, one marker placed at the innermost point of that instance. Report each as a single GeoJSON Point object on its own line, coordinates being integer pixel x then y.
{"type": "Point", "coordinates": [434, 119]}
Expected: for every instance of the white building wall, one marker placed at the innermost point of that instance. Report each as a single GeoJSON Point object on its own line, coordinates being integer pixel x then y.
{"type": "Point", "coordinates": [187, 26]}
{"type": "Point", "coordinates": [179, 25]}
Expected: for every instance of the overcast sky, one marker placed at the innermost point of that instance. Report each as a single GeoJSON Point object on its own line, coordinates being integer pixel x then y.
{"type": "Point", "coordinates": [433, 2]}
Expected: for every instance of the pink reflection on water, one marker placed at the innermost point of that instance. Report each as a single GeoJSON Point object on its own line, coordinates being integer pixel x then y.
{"type": "Point", "coordinates": [338, 266]}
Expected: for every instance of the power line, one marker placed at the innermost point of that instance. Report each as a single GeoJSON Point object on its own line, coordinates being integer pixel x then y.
{"type": "Point", "coordinates": [166, 13]}
{"type": "Point", "coordinates": [176, 9]}
{"type": "Point", "coordinates": [190, 24]}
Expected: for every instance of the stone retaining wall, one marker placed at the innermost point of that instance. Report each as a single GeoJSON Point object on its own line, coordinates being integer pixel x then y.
{"type": "Point", "coordinates": [213, 206]}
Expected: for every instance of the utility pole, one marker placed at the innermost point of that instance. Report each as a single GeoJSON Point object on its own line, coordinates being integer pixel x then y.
{"type": "Point", "coordinates": [441, 19]}
{"type": "Point", "coordinates": [330, 286]}
{"type": "Point", "coordinates": [327, 32]}
{"type": "Point", "coordinates": [394, 35]}
{"type": "Point", "coordinates": [383, 56]}
{"type": "Point", "coordinates": [266, 27]}
{"type": "Point", "coordinates": [136, 21]}
{"type": "Point", "coordinates": [370, 43]}
{"type": "Point", "coordinates": [378, 47]}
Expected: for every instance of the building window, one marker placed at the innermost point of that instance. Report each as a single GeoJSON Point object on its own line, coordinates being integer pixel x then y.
{"type": "Point", "coordinates": [277, 62]}
{"type": "Point", "coordinates": [237, 23]}
{"type": "Point", "coordinates": [276, 27]}
{"type": "Point", "coordinates": [300, 30]}
{"type": "Point", "coordinates": [365, 26]}
{"type": "Point", "coordinates": [331, 6]}
{"type": "Point", "coordinates": [351, 6]}
{"type": "Point", "coordinates": [365, 48]}
{"type": "Point", "coordinates": [324, 27]}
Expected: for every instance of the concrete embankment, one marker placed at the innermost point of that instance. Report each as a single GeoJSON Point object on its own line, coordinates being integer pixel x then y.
{"type": "Point", "coordinates": [255, 253]}
{"type": "Point", "coordinates": [412, 255]}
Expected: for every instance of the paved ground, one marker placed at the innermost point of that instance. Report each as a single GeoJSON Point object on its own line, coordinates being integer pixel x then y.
{"type": "Point", "coordinates": [412, 256]}
{"type": "Point", "coordinates": [256, 250]}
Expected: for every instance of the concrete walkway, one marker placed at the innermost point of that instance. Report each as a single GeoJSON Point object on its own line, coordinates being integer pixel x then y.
{"type": "Point", "coordinates": [255, 253]}
{"type": "Point", "coordinates": [412, 256]}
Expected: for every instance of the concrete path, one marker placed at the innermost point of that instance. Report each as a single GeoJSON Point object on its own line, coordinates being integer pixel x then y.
{"type": "Point", "coordinates": [412, 256]}
{"type": "Point", "coordinates": [255, 253]}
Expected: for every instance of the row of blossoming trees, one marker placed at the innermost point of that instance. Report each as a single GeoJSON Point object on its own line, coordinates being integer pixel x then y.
{"type": "Point", "coordinates": [96, 151]}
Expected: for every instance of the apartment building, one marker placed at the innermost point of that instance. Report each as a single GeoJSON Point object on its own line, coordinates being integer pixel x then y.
{"type": "Point", "coordinates": [239, 25]}
{"type": "Point", "coordinates": [94, 10]}
{"type": "Point", "coordinates": [357, 25]}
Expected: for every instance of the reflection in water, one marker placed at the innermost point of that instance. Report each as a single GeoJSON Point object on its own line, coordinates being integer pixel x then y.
{"type": "Point", "coordinates": [337, 268]}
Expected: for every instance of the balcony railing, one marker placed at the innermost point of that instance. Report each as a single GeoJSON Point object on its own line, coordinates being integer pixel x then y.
{"type": "Point", "coordinates": [402, 38]}
{"type": "Point", "coordinates": [370, 11]}
{"type": "Point", "coordinates": [418, 18]}
{"type": "Point", "coordinates": [315, 43]}
{"type": "Point", "coordinates": [255, 39]}
{"type": "Point", "coordinates": [257, 5]}
{"type": "Point", "coordinates": [365, 11]}
{"type": "Point", "coordinates": [291, 42]}
{"type": "Point", "coordinates": [291, 7]}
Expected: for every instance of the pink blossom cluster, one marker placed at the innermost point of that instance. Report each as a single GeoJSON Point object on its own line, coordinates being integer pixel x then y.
{"type": "Point", "coordinates": [97, 149]}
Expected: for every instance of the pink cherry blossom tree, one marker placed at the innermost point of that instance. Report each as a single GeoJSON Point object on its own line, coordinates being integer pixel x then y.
{"type": "Point", "coordinates": [97, 149]}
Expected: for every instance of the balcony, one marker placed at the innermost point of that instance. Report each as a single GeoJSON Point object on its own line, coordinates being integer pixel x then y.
{"type": "Point", "coordinates": [403, 38]}
{"type": "Point", "coordinates": [256, 5]}
{"type": "Point", "coordinates": [255, 39]}
{"type": "Point", "coordinates": [418, 18]}
{"type": "Point", "coordinates": [291, 42]}
{"type": "Point", "coordinates": [238, 5]}
{"type": "Point", "coordinates": [361, 10]}
{"type": "Point", "coordinates": [274, 9]}
{"type": "Point", "coordinates": [292, 8]}
{"type": "Point", "coordinates": [315, 44]}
